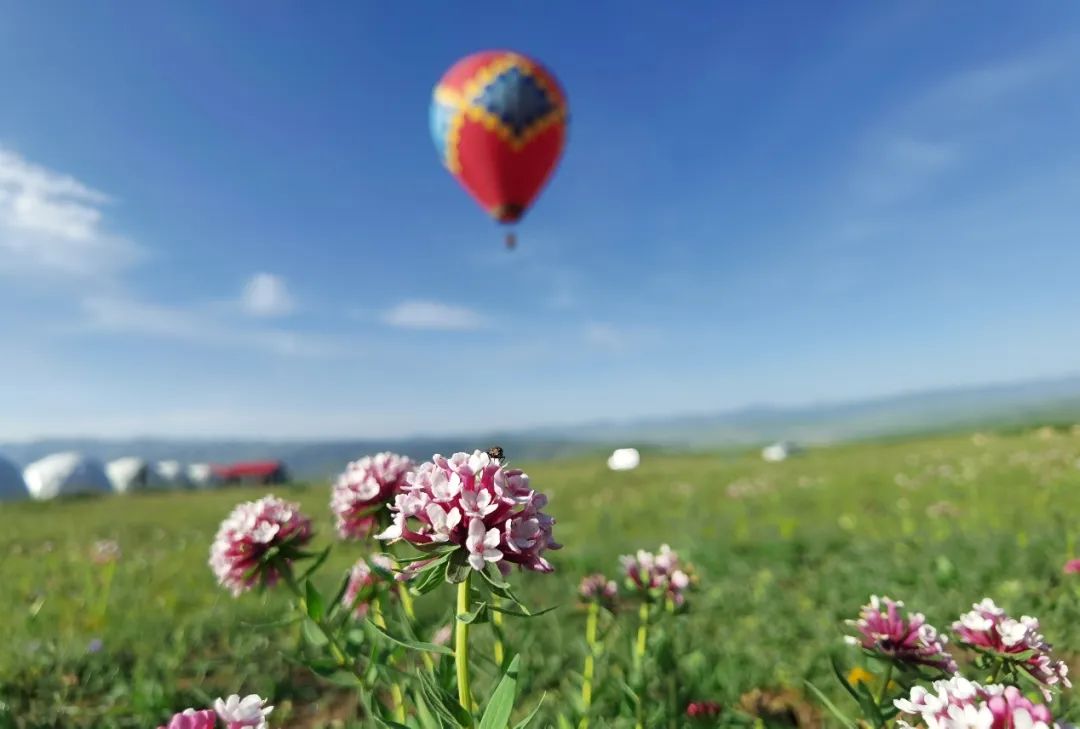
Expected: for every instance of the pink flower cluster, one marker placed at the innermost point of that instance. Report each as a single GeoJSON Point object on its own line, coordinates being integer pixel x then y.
{"type": "Point", "coordinates": [957, 703]}
{"type": "Point", "coordinates": [703, 709]}
{"type": "Point", "coordinates": [597, 588]}
{"type": "Point", "coordinates": [657, 574]}
{"type": "Point", "coordinates": [989, 628]}
{"type": "Point", "coordinates": [249, 712]}
{"type": "Point", "coordinates": [364, 488]}
{"type": "Point", "coordinates": [256, 542]}
{"type": "Point", "coordinates": [362, 580]}
{"type": "Point", "coordinates": [472, 501]}
{"type": "Point", "coordinates": [911, 640]}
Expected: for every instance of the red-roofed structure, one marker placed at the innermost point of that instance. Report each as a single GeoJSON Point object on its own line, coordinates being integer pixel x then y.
{"type": "Point", "coordinates": [257, 472]}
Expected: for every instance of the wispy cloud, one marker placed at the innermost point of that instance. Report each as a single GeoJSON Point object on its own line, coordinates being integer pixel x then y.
{"type": "Point", "coordinates": [130, 316]}
{"type": "Point", "coordinates": [433, 315]}
{"type": "Point", "coordinates": [605, 337]}
{"type": "Point", "coordinates": [52, 224]}
{"type": "Point", "coordinates": [267, 295]}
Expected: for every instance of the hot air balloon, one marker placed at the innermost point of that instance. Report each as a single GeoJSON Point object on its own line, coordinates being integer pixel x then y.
{"type": "Point", "coordinates": [498, 119]}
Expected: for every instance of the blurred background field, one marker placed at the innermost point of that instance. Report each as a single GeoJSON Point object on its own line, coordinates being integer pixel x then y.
{"type": "Point", "coordinates": [785, 552]}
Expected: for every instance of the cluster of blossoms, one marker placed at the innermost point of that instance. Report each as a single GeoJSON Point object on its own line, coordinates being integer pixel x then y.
{"type": "Point", "coordinates": [988, 628]}
{"type": "Point", "coordinates": [249, 712]}
{"type": "Point", "coordinates": [883, 630]}
{"type": "Point", "coordinates": [657, 574]}
{"type": "Point", "coordinates": [363, 578]}
{"type": "Point", "coordinates": [105, 551]}
{"type": "Point", "coordinates": [474, 502]}
{"type": "Point", "coordinates": [703, 709]}
{"type": "Point", "coordinates": [256, 543]}
{"type": "Point", "coordinates": [597, 588]}
{"type": "Point", "coordinates": [363, 489]}
{"type": "Point", "coordinates": [957, 703]}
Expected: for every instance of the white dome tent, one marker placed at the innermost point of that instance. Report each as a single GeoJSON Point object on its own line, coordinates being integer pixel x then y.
{"type": "Point", "coordinates": [12, 486]}
{"type": "Point", "coordinates": [171, 474]}
{"type": "Point", "coordinates": [65, 474]}
{"type": "Point", "coordinates": [624, 459]}
{"type": "Point", "coordinates": [202, 476]}
{"type": "Point", "coordinates": [779, 451]}
{"type": "Point", "coordinates": [131, 474]}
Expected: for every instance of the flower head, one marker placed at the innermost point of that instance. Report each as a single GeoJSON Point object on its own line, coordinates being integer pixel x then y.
{"type": "Point", "coordinates": [988, 628]}
{"type": "Point", "coordinates": [660, 574]}
{"type": "Point", "coordinates": [703, 709]}
{"type": "Point", "coordinates": [881, 629]}
{"type": "Point", "coordinates": [1072, 567]}
{"type": "Point", "coordinates": [362, 582]}
{"type": "Point", "coordinates": [105, 551]}
{"type": "Point", "coordinates": [598, 588]}
{"type": "Point", "coordinates": [257, 542]}
{"type": "Point", "coordinates": [476, 503]}
{"type": "Point", "coordinates": [249, 712]}
{"type": "Point", "coordinates": [191, 719]}
{"type": "Point", "coordinates": [957, 703]}
{"type": "Point", "coordinates": [364, 488]}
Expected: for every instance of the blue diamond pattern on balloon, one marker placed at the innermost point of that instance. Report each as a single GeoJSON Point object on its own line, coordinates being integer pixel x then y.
{"type": "Point", "coordinates": [516, 99]}
{"type": "Point", "coordinates": [441, 116]}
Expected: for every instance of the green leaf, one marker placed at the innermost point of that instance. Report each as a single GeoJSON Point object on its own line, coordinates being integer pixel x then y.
{"type": "Point", "coordinates": [457, 567]}
{"type": "Point", "coordinates": [524, 613]}
{"type": "Point", "coordinates": [501, 705]}
{"type": "Point", "coordinates": [319, 559]}
{"type": "Point", "coordinates": [564, 723]}
{"type": "Point", "coordinates": [842, 679]}
{"type": "Point", "coordinates": [532, 714]}
{"type": "Point", "coordinates": [339, 593]}
{"type": "Point", "coordinates": [445, 705]}
{"type": "Point", "coordinates": [477, 616]}
{"type": "Point", "coordinates": [869, 705]}
{"type": "Point", "coordinates": [345, 679]}
{"type": "Point", "coordinates": [313, 599]}
{"type": "Point", "coordinates": [313, 633]}
{"type": "Point", "coordinates": [830, 705]}
{"type": "Point", "coordinates": [431, 576]}
{"type": "Point", "coordinates": [415, 645]}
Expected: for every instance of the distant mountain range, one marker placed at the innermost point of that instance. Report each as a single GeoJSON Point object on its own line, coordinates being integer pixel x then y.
{"type": "Point", "coordinates": [1043, 401]}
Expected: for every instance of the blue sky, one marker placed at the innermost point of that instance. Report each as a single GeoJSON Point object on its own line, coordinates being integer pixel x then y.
{"type": "Point", "coordinates": [228, 218]}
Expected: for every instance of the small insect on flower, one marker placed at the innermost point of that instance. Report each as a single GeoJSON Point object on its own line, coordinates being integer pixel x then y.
{"type": "Point", "coordinates": [249, 712]}
{"type": "Point", "coordinates": [257, 543]}
{"type": "Point", "coordinates": [987, 628]}
{"type": "Point", "coordinates": [882, 630]}
{"type": "Point", "coordinates": [191, 719]}
{"type": "Point", "coordinates": [360, 493]}
{"type": "Point", "coordinates": [496, 453]}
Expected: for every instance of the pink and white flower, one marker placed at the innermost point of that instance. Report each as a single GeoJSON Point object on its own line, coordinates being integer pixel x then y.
{"type": "Point", "coordinates": [257, 542]}
{"type": "Point", "coordinates": [657, 575]}
{"type": "Point", "coordinates": [957, 703]}
{"type": "Point", "coordinates": [191, 719]}
{"type": "Point", "coordinates": [475, 502]}
{"type": "Point", "coordinates": [363, 489]}
{"type": "Point", "coordinates": [249, 712]}
{"type": "Point", "coordinates": [988, 628]}
{"type": "Point", "coordinates": [362, 581]}
{"type": "Point", "coordinates": [911, 640]}
{"type": "Point", "coordinates": [598, 588]}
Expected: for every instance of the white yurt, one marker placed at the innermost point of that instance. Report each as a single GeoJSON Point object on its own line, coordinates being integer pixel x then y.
{"type": "Point", "coordinates": [779, 451]}
{"type": "Point", "coordinates": [130, 474]}
{"type": "Point", "coordinates": [12, 486]}
{"type": "Point", "coordinates": [624, 459]}
{"type": "Point", "coordinates": [202, 476]}
{"type": "Point", "coordinates": [171, 474]}
{"type": "Point", "coordinates": [65, 474]}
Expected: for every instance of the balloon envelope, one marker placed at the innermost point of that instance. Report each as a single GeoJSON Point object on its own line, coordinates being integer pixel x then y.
{"type": "Point", "coordinates": [498, 119]}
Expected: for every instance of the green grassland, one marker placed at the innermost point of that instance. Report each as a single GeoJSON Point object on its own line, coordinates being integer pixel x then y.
{"type": "Point", "coordinates": [785, 552]}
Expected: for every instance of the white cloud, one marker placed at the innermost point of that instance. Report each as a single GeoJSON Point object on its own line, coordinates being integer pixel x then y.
{"type": "Point", "coordinates": [51, 224]}
{"type": "Point", "coordinates": [435, 315]}
{"type": "Point", "coordinates": [129, 316]}
{"type": "Point", "coordinates": [267, 295]}
{"type": "Point", "coordinates": [604, 336]}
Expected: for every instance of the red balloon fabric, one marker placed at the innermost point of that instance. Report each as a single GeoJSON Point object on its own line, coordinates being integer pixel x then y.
{"type": "Point", "coordinates": [498, 119]}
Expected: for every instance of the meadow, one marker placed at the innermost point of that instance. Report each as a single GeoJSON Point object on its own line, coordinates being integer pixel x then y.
{"type": "Point", "coordinates": [784, 553]}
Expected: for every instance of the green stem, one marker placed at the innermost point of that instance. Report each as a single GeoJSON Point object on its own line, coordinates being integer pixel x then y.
{"type": "Point", "coordinates": [335, 648]}
{"type": "Point", "coordinates": [497, 622]}
{"type": "Point", "coordinates": [639, 661]}
{"type": "Point", "coordinates": [590, 662]}
{"type": "Point", "coordinates": [997, 671]}
{"type": "Point", "coordinates": [885, 685]}
{"type": "Point", "coordinates": [410, 613]}
{"type": "Point", "coordinates": [461, 645]}
{"type": "Point", "coordinates": [396, 695]}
